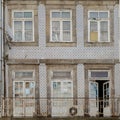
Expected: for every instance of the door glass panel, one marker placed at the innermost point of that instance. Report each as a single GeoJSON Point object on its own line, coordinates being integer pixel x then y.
{"type": "Point", "coordinates": [29, 89]}
{"type": "Point", "coordinates": [18, 89]}
{"type": "Point", "coordinates": [93, 90]}
{"type": "Point", "coordinates": [56, 89]}
{"type": "Point", "coordinates": [106, 94]}
{"type": "Point", "coordinates": [67, 89]}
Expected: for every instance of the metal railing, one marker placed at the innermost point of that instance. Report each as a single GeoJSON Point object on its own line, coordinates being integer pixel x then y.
{"type": "Point", "coordinates": [36, 107]}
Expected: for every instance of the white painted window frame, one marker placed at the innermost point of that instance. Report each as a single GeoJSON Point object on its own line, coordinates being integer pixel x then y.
{"type": "Point", "coordinates": [24, 95]}
{"type": "Point", "coordinates": [98, 23]}
{"type": "Point", "coordinates": [61, 21]}
{"type": "Point", "coordinates": [23, 20]}
{"type": "Point", "coordinates": [61, 81]}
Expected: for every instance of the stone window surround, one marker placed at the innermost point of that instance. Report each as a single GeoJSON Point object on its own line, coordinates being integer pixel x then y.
{"type": "Point", "coordinates": [111, 14]}
{"type": "Point", "coordinates": [59, 44]}
{"type": "Point", "coordinates": [23, 20]}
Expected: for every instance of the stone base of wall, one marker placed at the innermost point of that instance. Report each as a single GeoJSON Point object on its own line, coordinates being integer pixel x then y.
{"type": "Point", "coordinates": [67, 118]}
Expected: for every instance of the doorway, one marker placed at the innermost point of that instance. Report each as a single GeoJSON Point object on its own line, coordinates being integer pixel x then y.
{"type": "Point", "coordinates": [99, 93]}
{"type": "Point", "coordinates": [23, 98]}
{"type": "Point", "coordinates": [61, 91]}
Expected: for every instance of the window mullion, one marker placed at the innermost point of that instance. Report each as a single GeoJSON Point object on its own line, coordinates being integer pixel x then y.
{"type": "Point", "coordinates": [98, 23]}
{"type": "Point", "coordinates": [70, 30]}
{"type": "Point", "coordinates": [108, 30]}
{"type": "Point", "coordinates": [23, 27]}
{"type": "Point", "coordinates": [61, 30]}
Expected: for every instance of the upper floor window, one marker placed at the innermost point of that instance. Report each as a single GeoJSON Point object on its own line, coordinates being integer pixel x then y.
{"type": "Point", "coordinates": [23, 23]}
{"type": "Point", "coordinates": [98, 26]}
{"type": "Point", "coordinates": [61, 26]}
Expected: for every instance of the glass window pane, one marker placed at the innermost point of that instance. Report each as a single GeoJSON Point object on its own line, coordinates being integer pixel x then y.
{"type": "Point", "coordinates": [103, 14]}
{"type": "Point", "coordinates": [93, 31]}
{"type": "Point", "coordinates": [104, 37]}
{"type": "Point", "coordinates": [29, 89]}
{"type": "Point", "coordinates": [104, 26]}
{"type": "Point", "coordinates": [66, 36]}
{"type": "Point", "coordinates": [66, 25]}
{"type": "Point", "coordinates": [93, 26]}
{"type": "Point", "coordinates": [93, 15]}
{"type": "Point", "coordinates": [18, 36]}
{"type": "Point", "coordinates": [56, 31]}
{"type": "Point", "coordinates": [23, 74]}
{"type": "Point", "coordinates": [56, 36]}
{"type": "Point", "coordinates": [61, 74]}
{"type": "Point", "coordinates": [28, 35]}
{"type": "Point", "coordinates": [56, 89]}
{"type": "Point", "coordinates": [56, 26]}
{"type": "Point", "coordinates": [28, 25]}
{"type": "Point", "coordinates": [65, 14]}
{"type": "Point", "coordinates": [55, 14]}
{"type": "Point", "coordinates": [18, 89]}
{"type": "Point", "coordinates": [67, 89]}
{"type": "Point", "coordinates": [104, 31]}
{"type": "Point", "coordinates": [27, 14]}
{"type": "Point", "coordinates": [99, 74]}
{"type": "Point", "coordinates": [17, 25]}
{"type": "Point", "coordinates": [93, 90]}
{"type": "Point", "coordinates": [18, 14]}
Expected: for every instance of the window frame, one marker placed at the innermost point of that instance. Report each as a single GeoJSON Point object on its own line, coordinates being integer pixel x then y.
{"type": "Point", "coordinates": [98, 24]}
{"type": "Point", "coordinates": [61, 20]}
{"type": "Point", "coordinates": [23, 26]}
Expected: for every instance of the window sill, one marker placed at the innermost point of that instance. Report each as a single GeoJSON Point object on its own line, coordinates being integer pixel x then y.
{"type": "Point", "coordinates": [95, 44]}
{"type": "Point", "coordinates": [33, 43]}
{"type": "Point", "coordinates": [61, 44]}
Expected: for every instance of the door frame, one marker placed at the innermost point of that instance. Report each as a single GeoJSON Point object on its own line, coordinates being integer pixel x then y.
{"type": "Point", "coordinates": [52, 107]}
{"type": "Point", "coordinates": [24, 97]}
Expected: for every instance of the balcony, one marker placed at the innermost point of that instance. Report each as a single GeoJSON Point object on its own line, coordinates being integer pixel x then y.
{"type": "Point", "coordinates": [60, 108]}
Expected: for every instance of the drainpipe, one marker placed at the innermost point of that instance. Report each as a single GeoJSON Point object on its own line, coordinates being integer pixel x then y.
{"type": "Point", "coordinates": [1, 46]}
{"type": "Point", "coordinates": [4, 41]}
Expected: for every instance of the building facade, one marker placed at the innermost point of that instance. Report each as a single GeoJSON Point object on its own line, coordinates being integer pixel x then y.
{"type": "Point", "coordinates": [62, 58]}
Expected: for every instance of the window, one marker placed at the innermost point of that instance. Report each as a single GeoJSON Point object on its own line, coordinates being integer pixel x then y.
{"type": "Point", "coordinates": [61, 26]}
{"type": "Point", "coordinates": [24, 75]}
{"type": "Point", "coordinates": [23, 26]}
{"type": "Point", "coordinates": [98, 26]}
{"type": "Point", "coordinates": [99, 74]}
{"type": "Point", "coordinates": [62, 74]}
